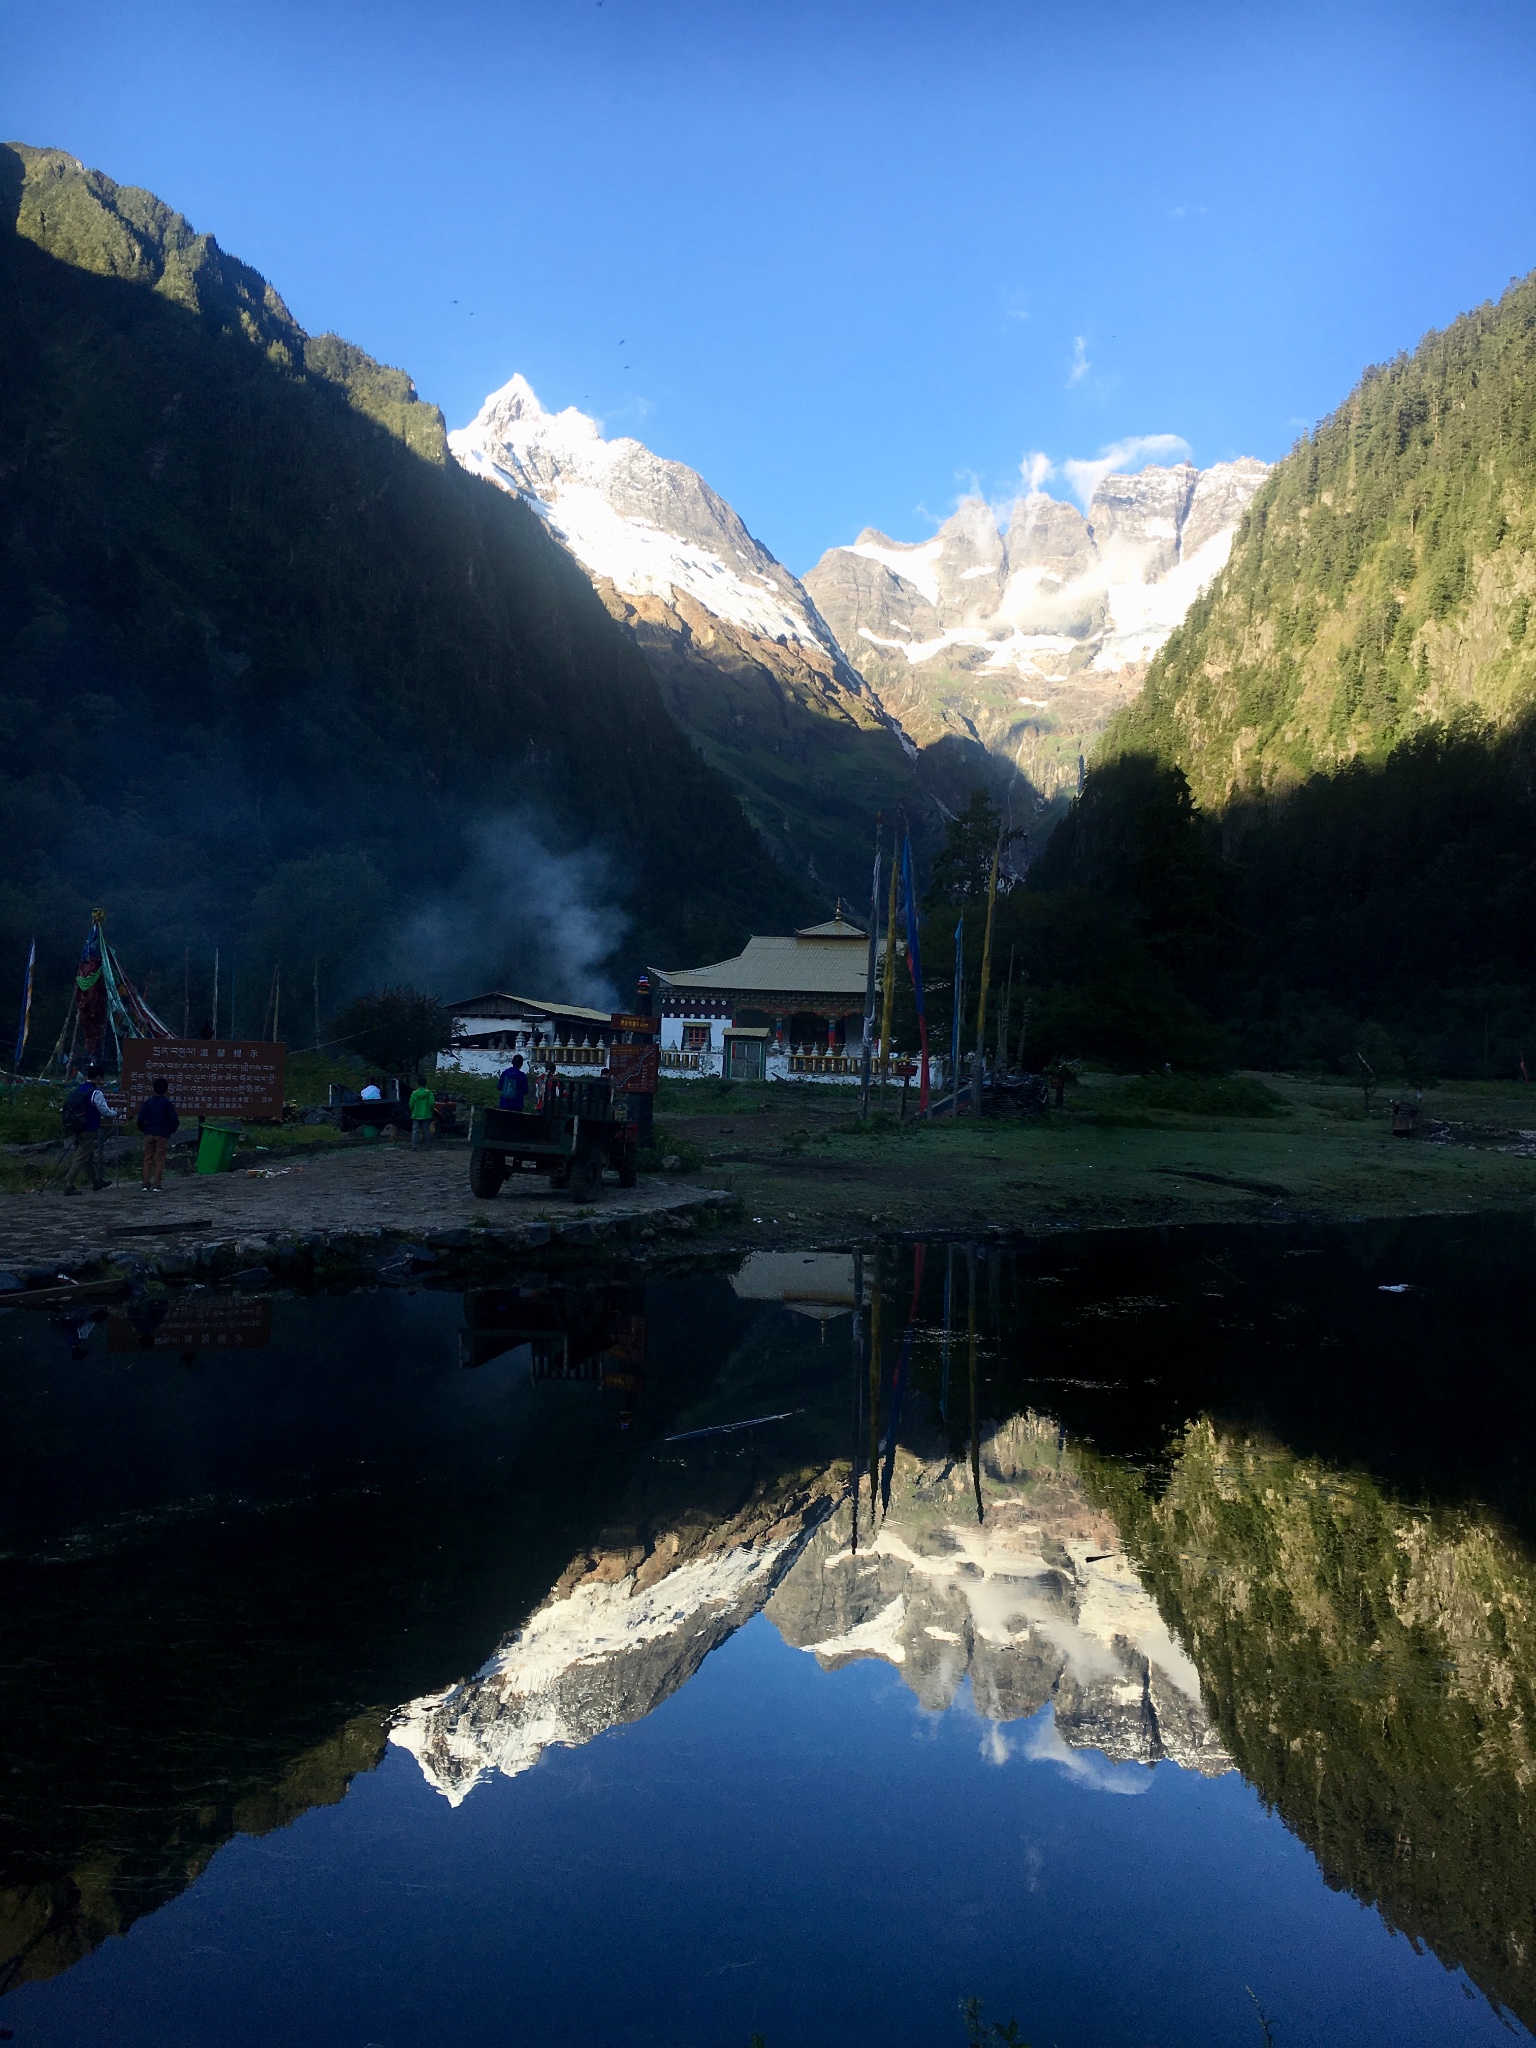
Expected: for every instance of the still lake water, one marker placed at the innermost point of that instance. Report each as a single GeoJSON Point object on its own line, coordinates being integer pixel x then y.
{"type": "Point", "coordinates": [1135, 1632]}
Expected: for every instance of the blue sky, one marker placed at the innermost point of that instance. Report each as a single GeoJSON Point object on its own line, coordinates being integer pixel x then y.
{"type": "Point", "coordinates": [849, 261]}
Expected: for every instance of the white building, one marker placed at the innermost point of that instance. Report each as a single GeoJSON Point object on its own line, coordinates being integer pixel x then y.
{"type": "Point", "coordinates": [785, 1009]}
{"type": "Point", "coordinates": [488, 1029]}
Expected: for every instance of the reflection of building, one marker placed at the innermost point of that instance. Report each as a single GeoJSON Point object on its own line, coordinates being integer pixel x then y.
{"type": "Point", "coordinates": [786, 1008]}
{"type": "Point", "coordinates": [571, 1333]}
{"type": "Point", "coordinates": [815, 1284]}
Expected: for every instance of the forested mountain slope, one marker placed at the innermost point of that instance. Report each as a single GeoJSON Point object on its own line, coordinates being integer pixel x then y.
{"type": "Point", "coordinates": [1382, 581]}
{"type": "Point", "coordinates": [276, 674]}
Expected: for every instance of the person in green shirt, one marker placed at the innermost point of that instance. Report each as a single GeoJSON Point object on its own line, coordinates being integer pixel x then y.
{"type": "Point", "coordinates": [423, 1106]}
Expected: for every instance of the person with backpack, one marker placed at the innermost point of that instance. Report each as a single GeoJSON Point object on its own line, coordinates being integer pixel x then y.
{"type": "Point", "coordinates": [159, 1123]}
{"type": "Point", "coordinates": [86, 1111]}
{"type": "Point", "coordinates": [513, 1083]}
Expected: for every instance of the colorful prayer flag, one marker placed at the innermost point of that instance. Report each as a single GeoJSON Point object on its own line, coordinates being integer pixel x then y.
{"type": "Point", "coordinates": [26, 1009]}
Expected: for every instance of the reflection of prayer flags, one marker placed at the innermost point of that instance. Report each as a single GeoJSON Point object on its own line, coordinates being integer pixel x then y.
{"type": "Point", "coordinates": [914, 963]}
{"type": "Point", "coordinates": [26, 1007]}
{"type": "Point", "coordinates": [954, 1022]}
{"type": "Point", "coordinates": [899, 1382]}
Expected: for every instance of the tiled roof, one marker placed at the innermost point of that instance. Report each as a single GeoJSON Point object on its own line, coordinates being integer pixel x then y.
{"type": "Point", "coordinates": [792, 966]}
{"type": "Point", "coordinates": [835, 928]}
{"type": "Point", "coordinates": [495, 1004]}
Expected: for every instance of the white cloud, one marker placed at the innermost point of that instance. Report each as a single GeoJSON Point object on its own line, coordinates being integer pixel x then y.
{"type": "Point", "coordinates": [1039, 1741]}
{"type": "Point", "coordinates": [1089, 1768]}
{"type": "Point", "coordinates": [1080, 363]}
{"type": "Point", "coordinates": [1120, 458]}
{"type": "Point", "coordinates": [1035, 471]}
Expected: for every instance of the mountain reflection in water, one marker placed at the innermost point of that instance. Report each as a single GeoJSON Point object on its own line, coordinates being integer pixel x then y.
{"type": "Point", "coordinates": [1033, 1606]}
{"type": "Point", "coordinates": [1207, 1499]}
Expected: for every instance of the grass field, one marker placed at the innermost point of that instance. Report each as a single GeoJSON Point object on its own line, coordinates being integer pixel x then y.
{"type": "Point", "coordinates": [1134, 1151]}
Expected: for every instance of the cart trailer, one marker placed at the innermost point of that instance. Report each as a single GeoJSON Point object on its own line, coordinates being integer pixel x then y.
{"type": "Point", "coordinates": [579, 1128]}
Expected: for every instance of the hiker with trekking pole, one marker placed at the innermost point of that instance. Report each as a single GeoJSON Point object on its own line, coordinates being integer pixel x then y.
{"type": "Point", "coordinates": [86, 1112]}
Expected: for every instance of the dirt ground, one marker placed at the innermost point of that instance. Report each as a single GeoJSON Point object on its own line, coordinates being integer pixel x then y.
{"type": "Point", "coordinates": [350, 1190]}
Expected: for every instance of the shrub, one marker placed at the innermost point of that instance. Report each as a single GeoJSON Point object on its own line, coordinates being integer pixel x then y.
{"type": "Point", "coordinates": [394, 1029]}
{"type": "Point", "coordinates": [29, 1115]}
{"type": "Point", "coordinates": [1204, 1095]}
{"type": "Point", "coordinates": [666, 1143]}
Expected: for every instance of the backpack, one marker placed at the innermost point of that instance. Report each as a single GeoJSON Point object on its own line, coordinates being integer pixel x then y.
{"type": "Point", "coordinates": [76, 1110]}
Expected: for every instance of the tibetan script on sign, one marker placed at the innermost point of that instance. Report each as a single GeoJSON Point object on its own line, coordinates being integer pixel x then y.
{"type": "Point", "coordinates": [208, 1076]}
{"type": "Point", "coordinates": [203, 1323]}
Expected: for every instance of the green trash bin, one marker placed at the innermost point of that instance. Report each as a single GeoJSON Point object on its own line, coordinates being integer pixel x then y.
{"type": "Point", "coordinates": [216, 1147]}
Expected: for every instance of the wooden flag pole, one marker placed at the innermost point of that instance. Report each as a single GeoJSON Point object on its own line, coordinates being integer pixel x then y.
{"type": "Point", "coordinates": [870, 972]}
{"type": "Point", "coordinates": [889, 993]}
{"type": "Point", "coordinates": [986, 972]}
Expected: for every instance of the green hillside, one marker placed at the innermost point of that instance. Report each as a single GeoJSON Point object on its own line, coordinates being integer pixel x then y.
{"type": "Point", "coordinates": [1381, 583]}
{"type": "Point", "coordinates": [275, 675]}
{"type": "Point", "coordinates": [1310, 842]}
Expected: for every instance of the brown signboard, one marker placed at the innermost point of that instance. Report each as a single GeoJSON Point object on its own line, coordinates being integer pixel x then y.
{"type": "Point", "coordinates": [643, 1027]}
{"type": "Point", "coordinates": [221, 1323]}
{"type": "Point", "coordinates": [635, 1069]}
{"type": "Point", "coordinates": [208, 1076]}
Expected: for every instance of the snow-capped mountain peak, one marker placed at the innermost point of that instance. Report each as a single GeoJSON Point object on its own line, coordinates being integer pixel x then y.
{"type": "Point", "coordinates": [746, 664]}
{"type": "Point", "coordinates": [649, 526]}
{"type": "Point", "coordinates": [1031, 639]}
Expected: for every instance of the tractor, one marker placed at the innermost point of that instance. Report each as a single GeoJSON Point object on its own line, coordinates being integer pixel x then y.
{"type": "Point", "coordinates": [578, 1128]}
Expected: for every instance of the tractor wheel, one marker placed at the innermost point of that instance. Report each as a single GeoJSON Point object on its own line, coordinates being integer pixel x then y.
{"type": "Point", "coordinates": [586, 1175]}
{"type": "Point", "coordinates": [487, 1171]}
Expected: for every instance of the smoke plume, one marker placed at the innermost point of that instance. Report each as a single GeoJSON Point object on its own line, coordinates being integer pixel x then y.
{"type": "Point", "coordinates": [523, 918]}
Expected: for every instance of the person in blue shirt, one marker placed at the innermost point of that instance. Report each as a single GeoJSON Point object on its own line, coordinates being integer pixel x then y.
{"type": "Point", "coordinates": [159, 1123]}
{"type": "Point", "coordinates": [86, 1113]}
{"type": "Point", "coordinates": [513, 1084]}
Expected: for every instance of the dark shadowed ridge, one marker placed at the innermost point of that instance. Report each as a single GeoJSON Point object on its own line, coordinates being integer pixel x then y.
{"type": "Point", "coordinates": [269, 663]}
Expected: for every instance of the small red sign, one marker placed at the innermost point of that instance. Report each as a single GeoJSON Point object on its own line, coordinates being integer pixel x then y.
{"type": "Point", "coordinates": [635, 1069]}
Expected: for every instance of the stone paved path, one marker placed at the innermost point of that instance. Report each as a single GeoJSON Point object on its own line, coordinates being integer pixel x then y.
{"type": "Point", "coordinates": [383, 1189]}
